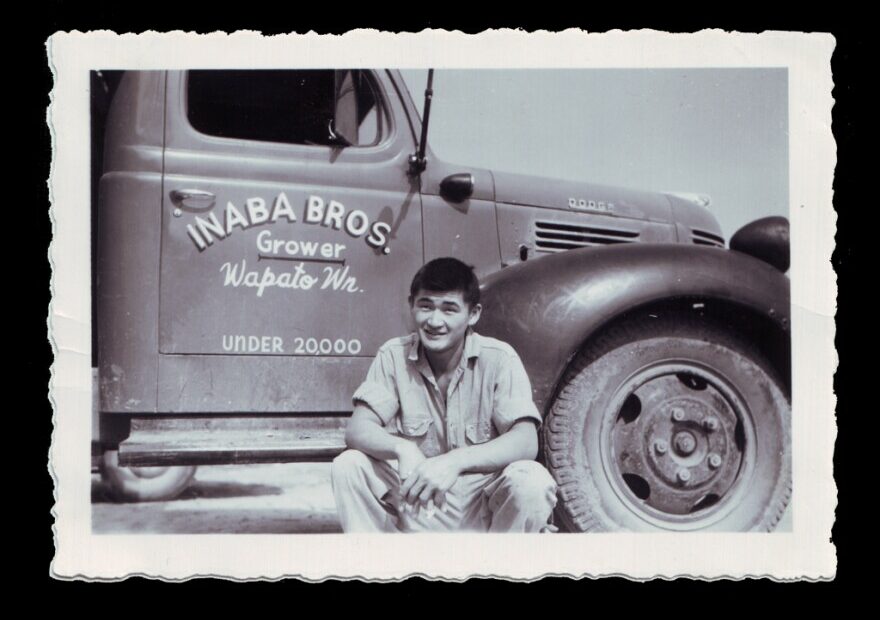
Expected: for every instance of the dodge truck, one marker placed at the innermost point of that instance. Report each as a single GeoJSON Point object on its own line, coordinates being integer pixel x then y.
{"type": "Point", "coordinates": [254, 235]}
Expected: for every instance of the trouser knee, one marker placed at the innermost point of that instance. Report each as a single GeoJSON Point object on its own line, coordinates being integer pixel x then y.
{"type": "Point", "coordinates": [348, 466]}
{"type": "Point", "coordinates": [529, 485]}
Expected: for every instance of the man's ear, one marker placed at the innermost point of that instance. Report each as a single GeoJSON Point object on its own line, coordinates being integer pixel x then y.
{"type": "Point", "coordinates": [476, 310]}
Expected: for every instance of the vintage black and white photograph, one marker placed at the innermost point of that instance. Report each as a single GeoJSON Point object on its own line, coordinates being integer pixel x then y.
{"type": "Point", "coordinates": [546, 301]}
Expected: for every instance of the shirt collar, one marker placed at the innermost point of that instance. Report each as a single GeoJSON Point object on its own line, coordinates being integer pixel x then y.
{"type": "Point", "coordinates": [414, 348]}
{"type": "Point", "coordinates": [471, 348]}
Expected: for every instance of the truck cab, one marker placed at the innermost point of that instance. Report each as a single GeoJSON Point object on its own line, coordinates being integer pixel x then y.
{"type": "Point", "coordinates": [256, 232]}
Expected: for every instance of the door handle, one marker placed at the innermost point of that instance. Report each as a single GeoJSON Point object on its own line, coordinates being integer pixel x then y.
{"type": "Point", "coordinates": [193, 198]}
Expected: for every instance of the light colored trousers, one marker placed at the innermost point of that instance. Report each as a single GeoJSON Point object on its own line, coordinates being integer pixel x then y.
{"type": "Point", "coordinates": [521, 498]}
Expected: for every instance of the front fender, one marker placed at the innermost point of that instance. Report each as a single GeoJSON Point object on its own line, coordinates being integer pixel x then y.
{"type": "Point", "coordinates": [546, 308]}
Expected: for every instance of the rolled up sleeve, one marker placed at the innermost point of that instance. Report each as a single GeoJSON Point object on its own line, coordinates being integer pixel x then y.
{"type": "Point", "coordinates": [513, 396]}
{"type": "Point", "coordinates": [379, 390]}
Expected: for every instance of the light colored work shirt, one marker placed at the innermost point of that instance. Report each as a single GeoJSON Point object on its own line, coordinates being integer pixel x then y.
{"type": "Point", "coordinates": [489, 392]}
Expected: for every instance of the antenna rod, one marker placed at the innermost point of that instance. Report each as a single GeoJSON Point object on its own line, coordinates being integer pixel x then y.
{"type": "Point", "coordinates": [423, 141]}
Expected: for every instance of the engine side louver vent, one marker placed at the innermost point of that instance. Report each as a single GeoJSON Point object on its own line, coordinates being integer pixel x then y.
{"type": "Point", "coordinates": [701, 237]}
{"type": "Point", "coordinates": [555, 237]}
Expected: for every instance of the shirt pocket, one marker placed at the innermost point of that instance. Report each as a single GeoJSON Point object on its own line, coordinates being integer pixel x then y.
{"type": "Point", "coordinates": [478, 432]}
{"type": "Point", "coordinates": [414, 428]}
{"type": "Point", "coordinates": [420, 430]}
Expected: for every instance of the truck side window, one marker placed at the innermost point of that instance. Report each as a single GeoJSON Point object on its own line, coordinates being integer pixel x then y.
{"type": "Point", "coordinates": [290, 106]}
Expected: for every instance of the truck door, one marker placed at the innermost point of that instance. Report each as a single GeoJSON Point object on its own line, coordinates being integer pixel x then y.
{"type": "Point", "coordinates": [286, 253]}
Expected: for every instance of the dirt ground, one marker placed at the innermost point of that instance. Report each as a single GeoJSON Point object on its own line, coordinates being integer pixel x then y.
{"type": "Point", "coordinates": [253, 499]}
{"type": "Point", "coordinates": [285, 498]}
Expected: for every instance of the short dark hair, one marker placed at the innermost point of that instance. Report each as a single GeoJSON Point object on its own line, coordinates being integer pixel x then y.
{"type": "Point", "coordinates": [444, 275]}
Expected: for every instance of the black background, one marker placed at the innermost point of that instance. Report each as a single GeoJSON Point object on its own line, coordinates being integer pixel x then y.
{"type": "Point", "coordinates": [552, 597]}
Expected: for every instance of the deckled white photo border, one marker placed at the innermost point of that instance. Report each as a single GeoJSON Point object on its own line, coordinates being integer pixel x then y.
{"type": "Point", "coordinates": [804, 553]}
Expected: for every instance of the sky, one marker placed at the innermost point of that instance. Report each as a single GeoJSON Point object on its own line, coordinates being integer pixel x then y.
{"type": "Point", "coordinates": [721, 132]}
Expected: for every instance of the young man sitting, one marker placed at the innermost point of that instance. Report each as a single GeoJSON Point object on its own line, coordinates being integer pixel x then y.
{"type": "Point", "coordinates": [444, 430]}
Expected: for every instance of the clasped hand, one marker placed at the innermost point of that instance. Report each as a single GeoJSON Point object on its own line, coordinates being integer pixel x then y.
{"type": "Point", "coordinates": [425, 481]}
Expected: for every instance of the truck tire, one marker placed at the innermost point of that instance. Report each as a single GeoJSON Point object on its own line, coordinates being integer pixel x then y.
{"type": "Point", "coordinates": [143, 484]}
{"type": "Point", "coordinates": [670, 425]}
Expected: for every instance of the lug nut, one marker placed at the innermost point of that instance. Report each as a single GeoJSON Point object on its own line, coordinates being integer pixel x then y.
{"type": "Point", "coordinates": [660, 446]}
{"type": "Point", "coordinates": [678, 414]}
{"type": "Point", "coordinates": [710, 424]}
{"type": "Point", "coordinates": [714, 461]}
{"type": "Point", "coordinates": [683, 475]}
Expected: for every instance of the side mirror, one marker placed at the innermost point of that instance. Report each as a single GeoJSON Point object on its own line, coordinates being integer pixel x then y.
{"type": "Point", "coordinates": [344, 127]}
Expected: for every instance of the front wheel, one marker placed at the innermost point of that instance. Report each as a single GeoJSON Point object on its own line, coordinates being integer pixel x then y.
{"type": "Point", "coordinates": [670, 425]}
{"type": "Point", "coordinates": [140, 484]}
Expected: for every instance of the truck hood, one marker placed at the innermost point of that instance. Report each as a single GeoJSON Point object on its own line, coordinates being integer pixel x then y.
{"type": "Point", "coordinates": [552, 193]}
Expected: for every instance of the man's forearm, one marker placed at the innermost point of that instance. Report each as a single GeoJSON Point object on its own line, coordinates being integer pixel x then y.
{"type": "Point", "coordinates": [370, 437]}
{"type": "Point", "coordinates": [517, 444]}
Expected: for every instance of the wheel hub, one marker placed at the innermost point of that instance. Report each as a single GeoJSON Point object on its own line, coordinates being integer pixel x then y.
{"type": "Point", "coordinates": [148, 472]}
{"type": "Point", "coordinates": [688, 462]}
{"type": "Point", "coordinates": [685, 443]}
{"type": "Point", "coordinates": [677, 446]}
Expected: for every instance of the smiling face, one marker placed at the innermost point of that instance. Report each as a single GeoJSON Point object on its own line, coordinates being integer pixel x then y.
{"type": "Point", "coordinates": [442, 320]}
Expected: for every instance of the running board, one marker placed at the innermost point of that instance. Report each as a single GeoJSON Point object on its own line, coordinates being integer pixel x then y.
{"type": "Point", "coordinates": [197, 440]}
